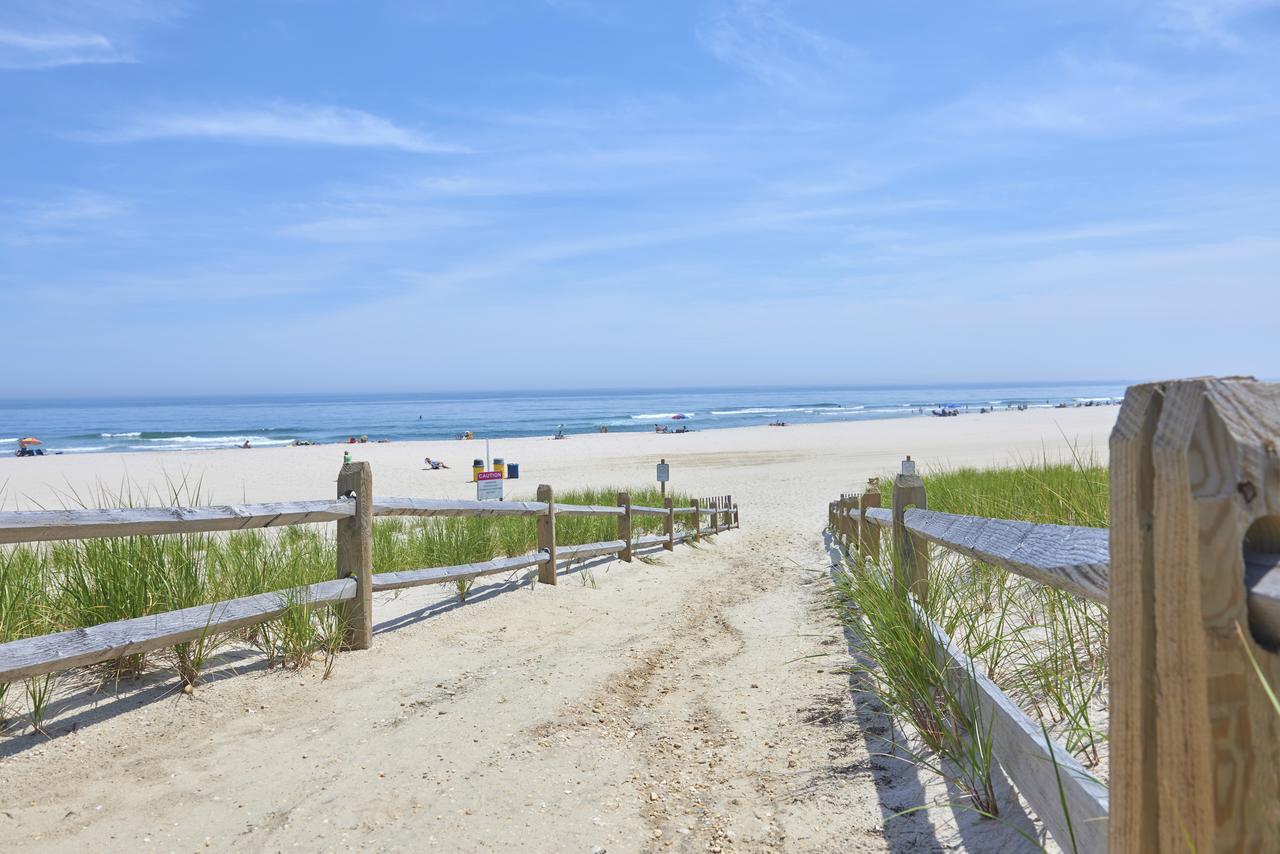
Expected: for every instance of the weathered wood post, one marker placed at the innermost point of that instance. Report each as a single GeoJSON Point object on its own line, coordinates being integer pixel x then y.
{"type": "Point", "coordinates": [848, 529]}
{"type": "Point", "coordinates": [669, 525]}
{"type": "Point", "coordinates": [911, 553]}
{"type": "Point", "coordinates": [355, 552]}
{"type": "Point", "coordinates": [697, 519]}
{"type": "Point", "coordinates": [547, 536]}
{"type": "Point", "coordinates": [1195, 523]}
{"type": "Point", "coordinates": [715, 515]}
{"type": "Point", "coordinates": [869, 532]}
{"type": "Point", "coordinates": [624, 526]}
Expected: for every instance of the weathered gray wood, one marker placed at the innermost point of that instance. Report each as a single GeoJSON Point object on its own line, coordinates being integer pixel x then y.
{"type": "Point", "coordinates": [36, 656]}
{"type": "Point", "coordinates": [1020, 747]}
{"type": "Point", "coordinates": [637, 510]}
{"type": "Point", "coordinates": [624, 526]}
{"type": "Point", "coordinates": [691, 510]}
{"type": "Point", "coordinates": [696, 522]}
{"type": "Point", "coordinates": [29, 526]}
{"type": "Point", "coordinates": [649, 540]}
{"type": "Point", "coordinates": [911, 552]}
{"type": "Point", "coordinates": [1063, 556]}
{"type": "Point", "coordinates": [669, 525]}
{"type": "Point", "coordinates": [587, 550]}
{"type": "Point", "coordinates": [442, 574]}
{"type": "Point", "coordinates": [881, 516]}
{"type": "Point", "coordinates": [451, 507]}
{"type": "Point", "coordinates": [355, 552]}
{"type": "Point", "coordinates": [868, 533]}
{"type": "Point", "coordinates": [547, 535]}
{"type": "Point", "coordinates": [587, 510]}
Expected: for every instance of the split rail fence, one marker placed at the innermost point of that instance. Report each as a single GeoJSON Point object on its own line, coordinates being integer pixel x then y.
{"type": "Point", "coordinates": [1190, 574]}
{"type": "Point", "coordinates": [353, 510]}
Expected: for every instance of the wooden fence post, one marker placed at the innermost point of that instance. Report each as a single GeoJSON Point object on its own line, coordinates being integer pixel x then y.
{"type": "Point", "coordinates": [669, 525]}
{"type": "Point", "coordinates": [868, 531]}
{"type": "Point", "coordinates": [547, 536]}
{"type": "Point", "coordinates": [697, 520]}
{"type": "Point", "coordinates": [848, 529]}
{"type": "Point", "coordinates": [911, 553]}
{"type": "Point", "coordinates": [624, 526]}
{"type": "Point", "coordinates": [715, 515]}
{"type": "Point", "coordinates": [355, 552]}
{"type": "Point", "coordinates": [1195, 507]}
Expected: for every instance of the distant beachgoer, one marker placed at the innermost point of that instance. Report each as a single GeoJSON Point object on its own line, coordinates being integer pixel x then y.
{"type": "Point", "coordinates": [246, 444]}
{"type": "Point", "coordinates": [351, 440]}
{"type": "Point", "coordinates": [346, 457]}
{"type": "Point", "coordinates": [436, 465]}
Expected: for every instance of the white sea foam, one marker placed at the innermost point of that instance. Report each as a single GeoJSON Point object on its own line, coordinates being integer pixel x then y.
{"type": "Point", "coordinates": [133, 435]}
{"type": "Point", "coordinates": [659, 416]}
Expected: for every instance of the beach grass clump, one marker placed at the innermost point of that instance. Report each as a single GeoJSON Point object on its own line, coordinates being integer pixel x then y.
{"type": "Point", "coordinates": [1046, 648]}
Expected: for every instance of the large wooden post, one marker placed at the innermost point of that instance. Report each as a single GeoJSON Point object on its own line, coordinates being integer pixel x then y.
{"type": "Point", "coordinates": [911, 553]}
{"type": "Point", "coordinates": [355, 552]}
{"type": "Point", "coordinates": [696, 534]}
{"type": "Point", "coordinates": [868, 531]}
{"type": "Point", "coordinates": [669, 525]}
{"type": "Point", "coordinates": [715, 514]}
{"type": "Point", "coordinates": [547, 536]}
{"type": "Point", "coordinates": [846, 521]}
{"type": "Point", "coordinates": [1195, 501]}
{"type": "Point", "coordinates": [624, 526]}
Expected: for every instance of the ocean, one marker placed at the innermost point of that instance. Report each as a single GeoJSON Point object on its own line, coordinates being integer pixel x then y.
{"type": "Point", "coordinates": [156, 424]}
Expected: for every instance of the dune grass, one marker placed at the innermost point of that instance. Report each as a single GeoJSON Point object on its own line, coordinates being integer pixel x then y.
{"type": "Point", "coordinates": [60, 586]}
{"type": "Point", "coordinates": [1045, 648]}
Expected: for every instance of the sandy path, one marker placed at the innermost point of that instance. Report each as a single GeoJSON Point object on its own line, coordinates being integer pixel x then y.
{"type": "Point", "coordinates": [694, 704]}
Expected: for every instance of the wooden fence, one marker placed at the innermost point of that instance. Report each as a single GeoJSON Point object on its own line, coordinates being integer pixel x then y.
{"type": "Point", "coordinates": [1190, 574]}
{"type": "Point", "coordinates": [353, 510]}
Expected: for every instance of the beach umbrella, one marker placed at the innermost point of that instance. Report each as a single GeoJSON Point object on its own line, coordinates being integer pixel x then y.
{"type": "Point", "coordinates": [30, 440]}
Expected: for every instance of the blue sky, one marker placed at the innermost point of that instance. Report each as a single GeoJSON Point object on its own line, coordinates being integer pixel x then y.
{"type": "Point", "coordinates": [201, 197]}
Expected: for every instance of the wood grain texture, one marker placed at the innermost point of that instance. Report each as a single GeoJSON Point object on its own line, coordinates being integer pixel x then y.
{"type": "Point", "coordinates": [1027, 757]}
{"type": "Point", "coordinates": [21, 659]}
{"type": "Point", "coordinates": [624, 526]}
{"type": "Point", "coordinates": [355, 551]}
{"type": "Point", "coordinates": [649, 540]}
{"type": "Point", "coordinates": [442, 574]}
{"type": "Point", "coordinates": [547, 535]}
{"type": "Point", "coordinates": [587, 510]}
{"type": "Point", "coordinates": [587, 550]}
{"type": "Point", "coordinates": [866, 530]}
{"type": "Point", "coordinates": [451, 507]}
{"type": "Point", "coordinates": [669, 525]}
{"type": "Point", "coordinates": [28, 526]}
{"type": "Point", "coordinates": [1131, 619]}
{"type": "Point", "coordinates": [1216, 494]}
{"type": "Point", "coordinates": [637, 510]}
{"type": "Point", "coordinates": [881, 516]}
{"type": "Point", "coordinates": [911, 552]}
{"type": "Point", "coordinates": [1069, 558]}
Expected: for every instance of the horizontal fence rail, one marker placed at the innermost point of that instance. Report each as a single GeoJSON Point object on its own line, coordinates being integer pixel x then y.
{"type": "Point", "coordinates": [1068, 557]}
{"type": "Point", "coordinates": [37, 656]}
{"type": "Point", "coordinates": [354, 510]}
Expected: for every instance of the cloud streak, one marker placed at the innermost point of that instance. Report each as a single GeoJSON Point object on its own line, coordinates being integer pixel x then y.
{"type": "Point", "coordinates": [282, 124]}
{"type": "Point", "coordinates": [34, 50]}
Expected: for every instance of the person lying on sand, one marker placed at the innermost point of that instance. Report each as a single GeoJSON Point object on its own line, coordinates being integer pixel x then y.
{"type": "Point", "coordinates": [436, 465]}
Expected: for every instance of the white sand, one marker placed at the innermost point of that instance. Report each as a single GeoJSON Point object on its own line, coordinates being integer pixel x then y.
{"type": "Point", "coordinates": [696, 703]}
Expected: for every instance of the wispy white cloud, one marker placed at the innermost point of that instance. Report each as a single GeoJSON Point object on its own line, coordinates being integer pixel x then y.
{"type": "Point", "coordinates": [1218, 23]}
{"type": "Point", "coordinates": [1098, 97]}
{"type": "Point", "coordinates": [759, 38]}
{"type": "Point", "coordinates": [59, 219]}
{"type": "Point", "coordinates": [53, 49]}
{"type": "Point", "coordinates": [281, 123]}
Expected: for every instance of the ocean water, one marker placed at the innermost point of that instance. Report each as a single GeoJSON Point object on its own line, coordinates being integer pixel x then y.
{"type": "Point", "coordinates": [152, 424]}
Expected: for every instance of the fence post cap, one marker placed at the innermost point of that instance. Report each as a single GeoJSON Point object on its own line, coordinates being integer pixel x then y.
{"type": "Point", "coordinates": [908, 465]}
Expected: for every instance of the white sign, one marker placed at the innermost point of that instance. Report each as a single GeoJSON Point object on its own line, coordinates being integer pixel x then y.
{"type": "Point", "coordinates": [489, 486]}
{"type": "Point", "coordinates": [664, 473]}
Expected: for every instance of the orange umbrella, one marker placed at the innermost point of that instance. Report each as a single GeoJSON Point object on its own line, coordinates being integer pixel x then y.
{"type": "Point", "coordinates": [30, 440]}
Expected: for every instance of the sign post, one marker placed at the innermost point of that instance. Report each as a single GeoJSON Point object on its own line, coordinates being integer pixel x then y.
{"type": "Point", "coordinates": [664, 474]}
{"type": "Point", "coordinates": [489, 486]}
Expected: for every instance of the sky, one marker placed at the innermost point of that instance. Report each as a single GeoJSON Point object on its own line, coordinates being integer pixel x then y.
{"type": "Point", "coordinates": [318, 195]}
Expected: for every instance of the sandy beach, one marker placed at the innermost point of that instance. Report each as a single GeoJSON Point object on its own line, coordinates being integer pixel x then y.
{"type": "Point", "coordinates": [692, 704]}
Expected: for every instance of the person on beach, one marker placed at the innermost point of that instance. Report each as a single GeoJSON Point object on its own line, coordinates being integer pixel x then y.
{"type": "Point", "coordinates": [435, 465]}
{"type": "Point", "coordinates": [246, 444]}
{"type": "Point", "coordinates": [346, 457]}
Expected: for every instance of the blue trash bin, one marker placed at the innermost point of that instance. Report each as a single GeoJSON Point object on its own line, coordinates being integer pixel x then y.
{"type": "Point", "coordinates": [513, 471]}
